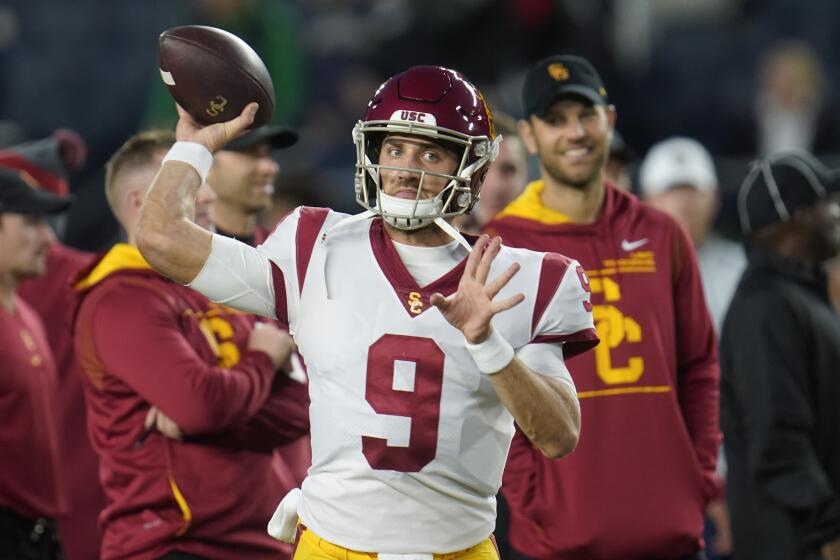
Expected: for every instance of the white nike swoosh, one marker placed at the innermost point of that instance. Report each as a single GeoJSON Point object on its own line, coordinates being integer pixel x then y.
{"type": "Point", "coordinates": [632, 245]}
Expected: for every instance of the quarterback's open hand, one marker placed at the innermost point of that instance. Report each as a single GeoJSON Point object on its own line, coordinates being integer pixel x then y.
{"type": "Point", "coordinates": [471, 308]}
{"type": "Point", "coordinates": [214, 136]}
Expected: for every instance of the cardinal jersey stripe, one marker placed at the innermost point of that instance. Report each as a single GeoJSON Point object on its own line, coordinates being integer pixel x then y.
{"type": "Point", "coordinates": [311, 220]}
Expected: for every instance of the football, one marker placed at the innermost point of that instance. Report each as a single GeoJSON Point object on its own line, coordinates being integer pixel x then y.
{"type": "Point", "coordinates": [213, 74]}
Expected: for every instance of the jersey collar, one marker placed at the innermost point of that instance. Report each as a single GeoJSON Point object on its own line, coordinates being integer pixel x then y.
{"type": "Point", "coordinates": [415, 299]}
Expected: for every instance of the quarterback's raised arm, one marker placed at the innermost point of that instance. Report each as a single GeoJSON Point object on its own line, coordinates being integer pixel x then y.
{"type": "Point", "coordinates": [166, 236]}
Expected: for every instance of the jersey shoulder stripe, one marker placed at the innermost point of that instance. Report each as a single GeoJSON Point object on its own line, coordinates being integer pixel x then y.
{"type": "Point", "coordinates": [309, 226]}
{"type": "Point", "coordinates": [552, 270]}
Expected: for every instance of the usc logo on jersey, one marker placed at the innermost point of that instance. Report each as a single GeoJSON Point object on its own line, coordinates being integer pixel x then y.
{"type": "Point", "coordinates": [415, 303]}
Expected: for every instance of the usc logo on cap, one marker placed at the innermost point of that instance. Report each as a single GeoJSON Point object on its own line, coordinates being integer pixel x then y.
{"type": "Point", "coordinates": [558, 72]}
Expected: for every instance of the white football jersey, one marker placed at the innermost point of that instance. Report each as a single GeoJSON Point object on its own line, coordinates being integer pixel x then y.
{"type": "Point", "coordinates": [409, 439]}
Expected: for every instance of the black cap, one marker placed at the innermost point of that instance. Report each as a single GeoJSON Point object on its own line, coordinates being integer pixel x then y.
{"type": "Point", "coordinates": [19, 197]}
{"type": "Point", "coordinates": [778, 185]}
{"type": "Point", "coordinates": [275, 136]}
{"type": "Point", "coordinates": [557, 76]}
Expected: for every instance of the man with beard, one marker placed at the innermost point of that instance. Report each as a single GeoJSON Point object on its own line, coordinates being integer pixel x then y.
{"type": "Point", "coordinates": [637, 485]}
{"type": "Point", "coordinates": [780, 356]}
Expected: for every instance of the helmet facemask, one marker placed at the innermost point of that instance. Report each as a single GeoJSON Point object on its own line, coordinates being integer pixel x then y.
{"type": "Point", "coordinates": [458, 195]}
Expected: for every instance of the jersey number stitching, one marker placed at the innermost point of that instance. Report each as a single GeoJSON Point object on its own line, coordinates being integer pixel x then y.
{"type": "Point", "coordinates": [421, 403]}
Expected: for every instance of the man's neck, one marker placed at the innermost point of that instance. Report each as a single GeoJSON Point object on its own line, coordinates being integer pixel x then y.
{"type": "Point", "coordinates": [233, 221]}
{"type": "Point", "coordinates": [8, 287]}
{"type": "Point", "coordinates": [582, 206]}
{"type": "Point", "coordinates": [427, 236]}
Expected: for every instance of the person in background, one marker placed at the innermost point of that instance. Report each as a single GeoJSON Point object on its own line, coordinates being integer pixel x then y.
{"type": "Point", "coordinates": [185, 401]}
{"type": "Point", "coordinates": [296, 186]}
{"type": "Point", "coordinates": [792, 106]}
{"type": "Point", "coordinates": [243, 176]}
{"type": "Point", "coordinates": [505, 179]}
{"type": "Point", "coordinates": [32, 489]}
{"type": "Point", "coordinates": [649, 391]}
{"type": "Point", "coordinates": [506, 176]}
{"type": "Point", "coordinates": [780, 354]}
{"type": "Point", "coordinates": [678, 177]}
{"type": "Point", "coordinates": [46, 163]}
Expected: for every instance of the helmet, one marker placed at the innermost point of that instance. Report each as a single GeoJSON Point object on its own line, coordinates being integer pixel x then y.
{"type": "Point", "coordinates": [436, 103]}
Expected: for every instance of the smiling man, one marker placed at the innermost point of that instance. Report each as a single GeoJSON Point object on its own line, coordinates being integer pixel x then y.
{"type": "Point", "coordinates": [421, 348]}
{"type": "Point", "coordinates": [637, 484]}
{"type": "Point", "coordinates": [242, 177]}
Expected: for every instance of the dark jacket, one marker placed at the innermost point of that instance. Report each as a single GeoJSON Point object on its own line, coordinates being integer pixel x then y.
{"type": "Point", "coordinates": [780, 410]}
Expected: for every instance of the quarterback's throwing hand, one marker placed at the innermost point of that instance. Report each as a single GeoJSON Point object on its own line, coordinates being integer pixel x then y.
{"type": "Point", "coordinates": [471, 308]}
{"type": "Point", "coordinates": [214, 136]}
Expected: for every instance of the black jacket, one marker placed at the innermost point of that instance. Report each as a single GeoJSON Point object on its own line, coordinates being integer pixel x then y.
{"type": "Point", "coordinates": [780, 410]}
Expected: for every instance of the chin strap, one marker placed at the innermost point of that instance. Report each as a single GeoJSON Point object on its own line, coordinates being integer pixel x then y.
{"type": "Point", "coordinates": [453, 232]}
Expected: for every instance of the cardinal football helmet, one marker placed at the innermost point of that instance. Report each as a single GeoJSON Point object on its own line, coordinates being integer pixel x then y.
{"type": "Point", "coordinates": [436, 103]}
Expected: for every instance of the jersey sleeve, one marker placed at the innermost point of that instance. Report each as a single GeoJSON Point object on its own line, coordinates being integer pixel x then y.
{"type": "Point", "coordinates": [238, 275]}
{"type": "Point", "coordinates": [266, 280]}
{"type": "Point", "coordinates": [547, 359]}
{"type": "Point", "coordinates": [563, 310]}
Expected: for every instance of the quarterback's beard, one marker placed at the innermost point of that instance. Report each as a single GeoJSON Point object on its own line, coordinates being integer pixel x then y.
{"type": "Point", "coordinates": [580, 183]}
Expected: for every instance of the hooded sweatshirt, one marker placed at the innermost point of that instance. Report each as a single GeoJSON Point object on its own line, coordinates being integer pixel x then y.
{"type": "Point", "coordinates": [145, 341]}
{"type": "Point", "coordinates": [637, 484]}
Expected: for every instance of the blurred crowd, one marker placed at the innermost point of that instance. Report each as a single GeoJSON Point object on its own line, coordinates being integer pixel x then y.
{"type": "Point", "coordinates": [715, 100]}
{"type": "Point", "coordinates": [729, 73]}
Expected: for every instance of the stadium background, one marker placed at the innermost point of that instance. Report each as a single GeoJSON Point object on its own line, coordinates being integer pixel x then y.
{"type": "Point", "coordinates": [687, 67]}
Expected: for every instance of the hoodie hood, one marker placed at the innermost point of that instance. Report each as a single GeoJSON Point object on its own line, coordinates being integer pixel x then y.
{"type": "Point", "coordinates": [120, 259]}
{"type": "Point", "coordinates": [528, 212]}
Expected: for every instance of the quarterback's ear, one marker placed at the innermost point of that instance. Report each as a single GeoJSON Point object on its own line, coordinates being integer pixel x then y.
{"type": "Point", "coordinates": [526, 132]}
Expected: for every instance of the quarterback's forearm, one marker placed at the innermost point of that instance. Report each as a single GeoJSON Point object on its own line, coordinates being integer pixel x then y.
{"type": "Point", "coordinates": [546, 410]}
{"type": "Point", "coordinates": [166, 236]}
